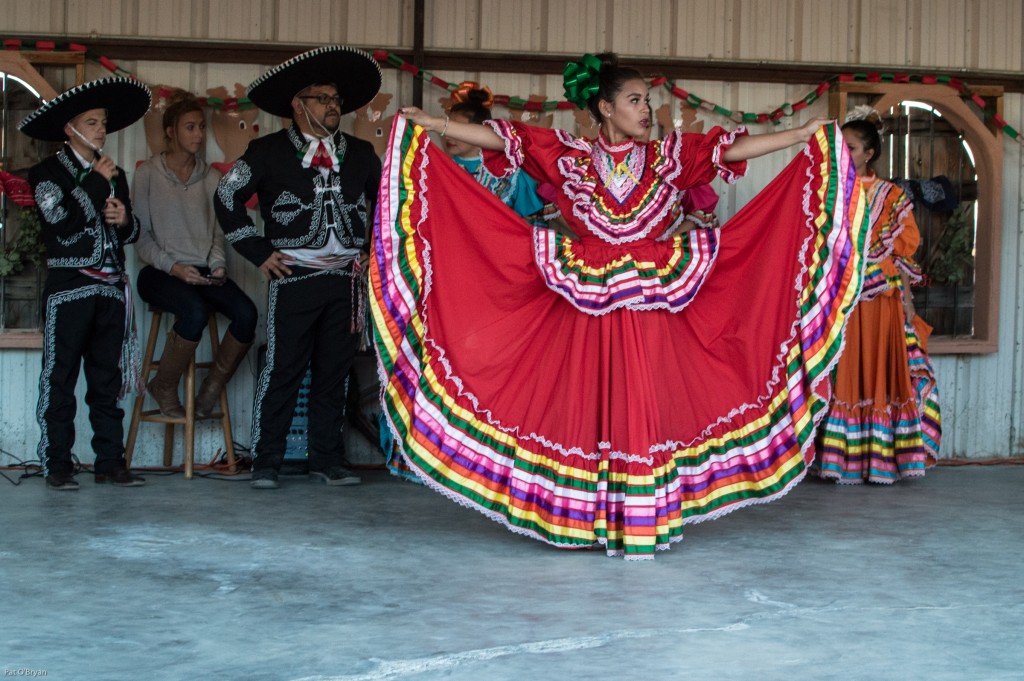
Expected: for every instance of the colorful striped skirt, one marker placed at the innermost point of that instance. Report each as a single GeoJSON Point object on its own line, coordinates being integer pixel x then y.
{"type": "Point", "coordinates": [617, 429]}
{"type": "Point", "coordinates": [885, 422]}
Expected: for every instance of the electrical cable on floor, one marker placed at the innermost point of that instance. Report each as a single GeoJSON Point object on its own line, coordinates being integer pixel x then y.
{"type": "Point", "coordinates": [216, 469]}
{"type": "Point", "coordinates": [219, 469]}
{"type": "Point", "coordinates": [32, 468]}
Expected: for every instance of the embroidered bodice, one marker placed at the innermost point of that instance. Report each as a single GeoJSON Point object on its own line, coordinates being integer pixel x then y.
{"type": "Point", "coordinates": [894, 238]}
{"type": "Point", "coordinates": [619, 199]}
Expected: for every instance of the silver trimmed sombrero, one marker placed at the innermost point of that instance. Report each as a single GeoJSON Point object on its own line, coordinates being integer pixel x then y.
{"type": "Point", "coordinates": [126, 101]}
{"type": "Point", "coordinates": [354, 72]}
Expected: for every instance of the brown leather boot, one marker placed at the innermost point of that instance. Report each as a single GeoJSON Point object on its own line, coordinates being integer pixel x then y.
{"type": "Point", "coordinates": [164, 386]}
{"type": "Point", "coordinates": [229, 356]}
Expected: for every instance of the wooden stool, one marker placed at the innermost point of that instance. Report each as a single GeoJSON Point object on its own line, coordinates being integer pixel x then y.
{"type": "Point", "coordinates": [190, 418]}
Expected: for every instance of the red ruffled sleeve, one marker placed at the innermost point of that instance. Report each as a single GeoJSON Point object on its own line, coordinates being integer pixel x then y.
{"type": "Point", "coordinates": [692, 159]}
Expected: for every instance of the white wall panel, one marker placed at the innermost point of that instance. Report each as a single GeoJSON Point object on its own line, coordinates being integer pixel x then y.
{"type": "Point", "coordinates": [383, 23]}
{"type": "Point", "coordinates": [703, 29]}
{"type": "Point", "coordinates": [105, 17]}
{"type": "Point", "coordinates": [348, 22]}
{"type": "Point", "coordinates": [310, 22]}
{"type": "Point", "coordinates": [827, 32]}
{"type": "Point", "coordinates": [515, 26]}
{"type": "Point", "coordinates": [1012, 284]}
{"type": "Point", "coordinates": [43, 16]}
{"type": "Point", "coordinates": [19, 378]}
{"type": "Point", "coordinates": [455, 25]}
{"type": "Point", "coordinates": [576, 26]}
{"type": "Point", "coordinates": [641, 27]}
{"type": "Point", "coordinates": [252, 20]}
{"type": "Point", "coordinates": [946, 33]}
{"type": "Point", "coordinates": [996, 35]}
{"type": "Point", "coordinates": [169, 19]}
{"type": "Point", "coordinates": [886, 33]}
{"type": "Point", "coordinates": [766, 30]}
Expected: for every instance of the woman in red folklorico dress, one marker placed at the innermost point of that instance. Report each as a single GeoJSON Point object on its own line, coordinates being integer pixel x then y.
{"type": "Point", "coordinates": [884, 423]}
{"type": "Point", "coordinates": [606, 390]}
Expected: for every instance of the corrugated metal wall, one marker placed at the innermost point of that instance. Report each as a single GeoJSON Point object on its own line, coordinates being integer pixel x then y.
{"type": "Point", "coordinates": [982, 395]}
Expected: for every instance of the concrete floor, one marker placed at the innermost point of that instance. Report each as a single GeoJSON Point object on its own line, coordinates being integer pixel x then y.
{"type": "Point", "coordinates": [206, 579]}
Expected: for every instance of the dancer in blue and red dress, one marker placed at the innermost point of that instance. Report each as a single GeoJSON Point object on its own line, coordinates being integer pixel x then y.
{"type": "Point", "coordinates": [606, 390]}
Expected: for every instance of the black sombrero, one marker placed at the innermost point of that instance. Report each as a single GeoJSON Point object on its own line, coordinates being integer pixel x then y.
{"type": "Point", "coordinates": [354, 72]}
{"type": "Point", "coordinates": [125, 99]}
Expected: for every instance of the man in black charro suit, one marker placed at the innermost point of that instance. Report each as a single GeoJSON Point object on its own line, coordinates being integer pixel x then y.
{"type": "Point", "coordinates": [87, 219]}
{"type": "Point", "coordinates": [317, 188]}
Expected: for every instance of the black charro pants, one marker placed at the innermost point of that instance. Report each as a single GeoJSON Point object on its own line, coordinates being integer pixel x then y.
{"type": "Point", "coordinates": [309, 321]}
{"type": "Point", "coordinates": [83, 328]}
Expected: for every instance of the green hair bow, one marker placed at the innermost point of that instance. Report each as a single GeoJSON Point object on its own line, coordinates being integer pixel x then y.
{"type": "Point", "coordinates": [581, 80]}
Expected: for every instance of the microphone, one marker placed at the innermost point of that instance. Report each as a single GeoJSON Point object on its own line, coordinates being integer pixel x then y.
{"type": "Point", "coordinates": [97, 151]}
{"type": "Point", "coordinates": [87, 142]}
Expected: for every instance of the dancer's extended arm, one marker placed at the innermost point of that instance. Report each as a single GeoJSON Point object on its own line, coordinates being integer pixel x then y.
{"type": "Point", "coordinates": [752, 146]}
{"type": "Point", "coordinates": [471, 133]}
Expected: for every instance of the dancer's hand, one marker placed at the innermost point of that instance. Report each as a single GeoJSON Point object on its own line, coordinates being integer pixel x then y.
{"type": "Point", "coordinates": [422, 119]}
{"type": "Point", "coordinates": [909, 311]}
{"type": "Point", "coordinates": [808, 129]}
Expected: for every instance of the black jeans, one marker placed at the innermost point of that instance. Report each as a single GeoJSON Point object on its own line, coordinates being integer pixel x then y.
{"type": "Point", "coordinates": [191, 304]}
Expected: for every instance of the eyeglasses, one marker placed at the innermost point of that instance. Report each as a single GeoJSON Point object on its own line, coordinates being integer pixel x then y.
{"type": "Point", "coordinates": [323, 98]}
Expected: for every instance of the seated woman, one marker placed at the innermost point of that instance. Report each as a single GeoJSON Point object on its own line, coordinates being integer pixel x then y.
{"type": "Point", "coordinates": [184, 248]}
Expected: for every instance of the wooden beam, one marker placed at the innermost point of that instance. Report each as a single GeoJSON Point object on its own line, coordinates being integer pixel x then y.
{"type": "Point", "coordinates": [238, 52]}
{"type": "Point", "coordinates": [419, 22]}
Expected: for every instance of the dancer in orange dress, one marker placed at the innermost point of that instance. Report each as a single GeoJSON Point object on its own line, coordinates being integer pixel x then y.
{"type": "Point", "coordinates": [884, 423]}
{"type": "Point", "coordinates": [607, 389]}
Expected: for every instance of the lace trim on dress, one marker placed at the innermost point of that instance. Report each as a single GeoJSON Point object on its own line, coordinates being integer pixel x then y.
{"type": "Point", "coordinates": [513, 144]}
{"type": "Point", "coordinates": [724, 143]}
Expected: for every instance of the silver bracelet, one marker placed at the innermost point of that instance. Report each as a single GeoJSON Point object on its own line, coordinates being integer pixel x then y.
{"type": "Point", "coordinates": [445, 128]}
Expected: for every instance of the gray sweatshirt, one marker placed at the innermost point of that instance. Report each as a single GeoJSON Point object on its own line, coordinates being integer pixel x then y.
{"type": "Point", "coordinates": [178, 223]}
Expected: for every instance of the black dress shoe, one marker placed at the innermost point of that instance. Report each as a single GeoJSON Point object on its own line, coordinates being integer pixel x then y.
{"type": "Point", "coordinates": [120, 477]}
{"type": "Point", "coordinates": [63, 483]}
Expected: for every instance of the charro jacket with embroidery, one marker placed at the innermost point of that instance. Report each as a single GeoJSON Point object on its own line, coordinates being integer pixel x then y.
{"type": "Point", "coordinates": [295, 201]}
{"type": "Point", "coordinates": [70, 200]}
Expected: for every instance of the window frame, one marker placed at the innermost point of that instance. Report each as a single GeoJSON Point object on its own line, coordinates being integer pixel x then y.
{"type": "Point", "coordinates": [21, 64]}
{"type": "Point", "coordinates": [985, 139]}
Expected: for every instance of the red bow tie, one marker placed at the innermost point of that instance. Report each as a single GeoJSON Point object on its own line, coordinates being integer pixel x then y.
{"type": "Point", "coordinates": [321, 159]}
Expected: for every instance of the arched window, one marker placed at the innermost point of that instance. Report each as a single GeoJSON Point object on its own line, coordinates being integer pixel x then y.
{"type": "Point", "coordinates": [21, 270]}
{"type": "Point", "coordinates": [22, 88]}
{"type": "Point", "coordinates": [939, 149]}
